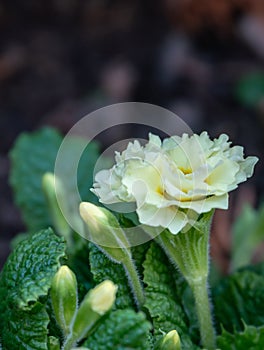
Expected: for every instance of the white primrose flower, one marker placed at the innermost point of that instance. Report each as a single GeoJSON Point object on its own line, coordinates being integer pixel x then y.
{"type": "Point", "coordinates": [174, 181]}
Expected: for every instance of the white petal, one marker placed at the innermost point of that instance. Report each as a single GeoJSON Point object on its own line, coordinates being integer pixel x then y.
{"type": "Point", "coordinates": [171, 218]}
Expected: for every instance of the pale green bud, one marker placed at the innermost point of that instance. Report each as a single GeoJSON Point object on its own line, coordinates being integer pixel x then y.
{"type": "Point", "coordinates": [53, 343]}
{"type": "Point", "coordinates": [64, 298]}
{"type": "Point", "coordinates": [97, 302]}
{"type": "Point", "coordinates": [51, 192]}
{"type": "Point", "coordinates": [170, 341]}
{"type": "Point", "coordinates": [105, 231]}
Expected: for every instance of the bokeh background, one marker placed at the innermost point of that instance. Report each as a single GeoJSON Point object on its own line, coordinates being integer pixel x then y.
{"type": "Point", "coordinates": [204, 60]}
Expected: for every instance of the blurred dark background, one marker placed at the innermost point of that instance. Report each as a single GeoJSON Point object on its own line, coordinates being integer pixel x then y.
{"type": "Point", "coordinates": [204, 60]}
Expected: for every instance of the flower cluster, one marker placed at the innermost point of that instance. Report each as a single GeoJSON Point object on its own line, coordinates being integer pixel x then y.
{"type": "Point", "coordinates": [173, 181]}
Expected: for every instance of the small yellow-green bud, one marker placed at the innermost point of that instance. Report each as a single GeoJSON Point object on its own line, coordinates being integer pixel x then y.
{"type": "Point", "coordinates": [170, 341]}
{"type": "Point", "coordinates": [95, 304]}
{"type": "Point", "coordinates": [53, 343]}
{"type": "Point", "coordinates": [52, 187]}
{"type": "Point", "coordinates": [102, 297]}
{"type": "Point", "coordinates": [64, 298]}
{"type": "Point", "coordinates": [105, 231]}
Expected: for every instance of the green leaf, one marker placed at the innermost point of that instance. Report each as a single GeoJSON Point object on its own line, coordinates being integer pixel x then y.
{"type": "Point", "coordinates": [251, 338]}
{"type": "Point", "coordinates": [24, 285]}
{"type": "Point", "coordinates": [139, 254]}
{"type": "Point", "coordinates": [33, 155]}
{"type": "Point", "coordinates": [54, 330]}
{"type": "Point", "coordinates": [79, 263]}
{"type": "Point", "coordinates": [86, 168]}
{"type": "Point", "coordinates": [102, 268]}
{"type": "Point", "coordinates": [238, 298]}
{"type": "Point", "coordinates": [247, 234]}
{"type": "Point", "coordinates": [26, 330]}
{"type": "Point", "coordinates": [77, 157]}
{"type": "Point", "coordinates": [257, 268]}
{"type": "Point", "coordinates": [162, 300]}
{"type": "Point", "coordinates": [129, 220]}
{"type": "Point", "coordinates": [122, 330]}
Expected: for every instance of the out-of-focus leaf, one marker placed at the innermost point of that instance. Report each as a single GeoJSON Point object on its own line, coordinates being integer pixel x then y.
{"type": "Point", "coordinates": [32, 155]}
{"type": "Point", "coordinates": [239, 298]}
{"type": "Point", "coordinates": [247, 234]}
{"type": "Point", "coordinates": [251, 338]}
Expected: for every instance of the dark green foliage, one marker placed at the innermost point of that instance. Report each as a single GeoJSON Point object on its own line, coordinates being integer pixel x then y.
{"type": "Point", "coordinates": [251, 338]}
{"type": "Point", "coordinates": [122, 330]}
{"type": "Point", "coordinates": [24, 285]}
{"type": "Point", "coordinates": [240, 298]}
{"type": "Point", "coordinates": [162, 300]}
{"type": "Point", "coordinates": [102, 268]}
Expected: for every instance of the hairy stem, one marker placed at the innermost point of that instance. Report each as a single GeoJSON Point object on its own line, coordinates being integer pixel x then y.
{"type": "Point", "coordinates": [134, 281]}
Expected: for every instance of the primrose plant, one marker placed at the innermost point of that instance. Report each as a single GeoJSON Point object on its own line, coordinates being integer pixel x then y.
{"type": "Point", "coordinates": [176, 185]}
{"type": "Point", "coordinates": [135, 276]}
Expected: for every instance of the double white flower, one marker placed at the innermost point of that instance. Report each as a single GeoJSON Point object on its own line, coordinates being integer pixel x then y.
{"type": "Point", "coordinates": [174, 181]}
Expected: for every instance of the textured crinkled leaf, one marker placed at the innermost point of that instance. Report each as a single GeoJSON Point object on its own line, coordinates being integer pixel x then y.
{"type": "Point", "coordinates": [79, 264]}
{"type": "Point", "coordinates": [54, 329]}
{"type": "Point", "coordinates": [24, 284]}
{"type": "Point", "coordinates": [102, 268]}
{"type": "Point", "coordinates": [185, 296]}
{"type": "Point", "coordinates": [251, 338]}
{"type": "Point", "coordinates": [139, 251]}
{"type": "Point", "coordinates": [33, 155]}
{"type": "Point", "coordinates": [28, 272]}
{"type": "Point", "coordinates": [122, 330]}
{"type": "Point", "coordinates": [139, 254]}
{"type": "Point", "coordinates": [161, 297]}
{"type": "Point", "coordinates": [26, 330]}
{"type": "Point", "coordinates": [240, 297]}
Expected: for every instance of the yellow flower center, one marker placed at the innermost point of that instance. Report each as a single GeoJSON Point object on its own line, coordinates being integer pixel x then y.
{"type": "Point", "coordinates": [185, 171]}
{"type": "Point", "coordinates": [160, 190]}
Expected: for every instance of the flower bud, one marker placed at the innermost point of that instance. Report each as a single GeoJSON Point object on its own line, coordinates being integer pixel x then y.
{"type": "Point", "coordinates": [170, 341]}
{"type": "Point", "coordinates": [53, 343]}
{"type": "Point", "coordinates": [64, 298]}
{"type": "Point", "coordinates": [52, 188]}
{"type": "Point", "coordinates": [95, 304]}
{"type": "Point", "coordinates": [105, 231]}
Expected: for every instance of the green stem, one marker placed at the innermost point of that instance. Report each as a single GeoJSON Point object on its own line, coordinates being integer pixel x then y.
{"type": "Point", "coordinates": [70, 342]}
{"type": "Point", "coordinates": [189, 251]}
{"type": "Point", "coordinates": [134, 281]}
{"type": "Point", "coordinates": [203, 310]}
